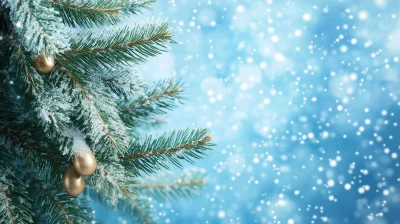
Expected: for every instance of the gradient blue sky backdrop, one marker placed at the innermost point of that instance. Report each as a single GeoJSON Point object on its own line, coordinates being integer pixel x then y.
{"type": "Point", "coordinates": [302, 98]}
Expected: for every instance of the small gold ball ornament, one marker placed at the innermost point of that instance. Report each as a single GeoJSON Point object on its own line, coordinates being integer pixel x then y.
{"type": "Point", "coordinates": [84, 163]}
{"type": "Point", "coordinates": [73, 182]}
{"type": "Point", "coordinates": [44, 63]}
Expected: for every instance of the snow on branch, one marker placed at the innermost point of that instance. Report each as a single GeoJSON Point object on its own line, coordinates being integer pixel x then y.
{"type": "Point", "coordinates": [90, 13]}
{"type": "Point", "coordinates": [96, 111]}
{"type": "Point", "coordinates": [15, 204]}
{"type": "Point", "coordinates": [119, 46]}
{"type": "Point", "coordinates": [111, 180]}
{"type": "Point", "coordinates": [37, 25]}
{"type": "Point", "coordinates": [158, 99]}
{"type": "Point", "coordinates": [150, 154]}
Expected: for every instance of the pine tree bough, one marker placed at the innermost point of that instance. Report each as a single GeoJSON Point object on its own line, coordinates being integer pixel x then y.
{"type": "Point", "coordinates": [190, 145]}
{"type": "Point", "coordinates": [94, 99]}
{"type": "Point", "coordinates": [97, 13]}
{"type": "Point", "coordinates": [7, 204]}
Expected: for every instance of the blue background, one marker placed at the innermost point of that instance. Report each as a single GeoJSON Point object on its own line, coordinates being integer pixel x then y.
{"type": "Point", "coordinates": [302, 98]}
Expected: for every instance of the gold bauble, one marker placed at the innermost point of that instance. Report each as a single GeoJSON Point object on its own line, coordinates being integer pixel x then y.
{"type": "Point", "coordinates": [73, 182]}
{"type": "Point", "coordinates": [44, 64]}
{"type": "Point", "coordinates": [84, 163]}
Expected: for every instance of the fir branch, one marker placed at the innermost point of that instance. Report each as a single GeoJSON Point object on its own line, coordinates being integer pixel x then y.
{"type": "Point", "coordinates": [190, 183]}
{"type": "Point", "coordinates": [97, 13]}
{"type": "Point", "coordinates": [39, 22]}
{"type": "Point", "coordinates": [110, 180]}
{"type": "Point", "coordinates": [141, 215]}
{"type": "Point", "coordinates": [125, 84]}
{"type": "Point", "coordinates": [190, 145]}
{"type": "Point", "coordinates": [10, 215]}
{"type": "Point", "coordinates": [10, 109]}
{"type": "Point", "coordinates": [27, 79]}
{"type": "Point", "coordinates": [165, 90]}
{"type": "Point", "coordinates": [16, 200]}
{"type": "Point", "coordinates": [93, 114]}
{"type": "Point", "coordinates": [152, 154]}
{"type": "Point", "coordinates": [22, 148]}
{"type": "Point", "coordinates": [167, 186]}
{"type": "Point", "coordinates": [57, 202]}
{"type": "Point", "coordinates": [15, 203]}
{"type": "Point", "coordinates": [75, 80]}
{"type": "Point", "coordinates": [140, 208]}
{"type": "Point", "coordinates": [40, 99]}
{"type": "Point", "coordinates": [111, 49]}
{"type": "Point", "coordinates": [56, 205]}
{"type": "Point", "coordinates": [163, 96]}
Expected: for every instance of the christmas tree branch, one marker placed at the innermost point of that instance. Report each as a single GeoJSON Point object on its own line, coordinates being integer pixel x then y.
{"type": "Point", "coordinates": [140, 208]}
{"type": "Point", "coordinates": [141, 213]}
{"type": "Point", "coordinates": [36, 96]}
{"type": "Point", "coordinates": [111, 179]}
{"type": "Point", "coordinates": [125, 83]}
{"type": "Point", "coordinates": [111, 49]}
{"type": "Point", "coordinates": [163, 96]}
{"type": "Point", "coordinates": [35, 21]}
{"type": "Point", "coordinates": [6, 200]}
{"type": "Point", "coordinates": [12, 194]}
{"type": "Point", "coordinates": [23, 69]}
{"type": "Point", "coordinates": [22, 141]}
{"type": "Point", "coordinates": [74, 79]}
{"type": "Point", "coordinates": [150, 39]}
{"type": "Point", "coordinates": [151, 154]}
{"type": "Point", "coordinates": [91, 114]}
{"type": "Point", "coordinates": [50, 163]}
{"type": "Point", "coordinates": [190, 145]}
{"type": "Point", "coordinates": [57, 207]}
{"type": "Point", "coordinates": [167, 186]}
{"type": "Point", "coordinates": [58, 203]}
{"type": "Point", "coordinates": [190, 183]}
{"type": "Point", "coordinates": [160, 92]}
{"type": "Point", "coordinates": [15, 205]}
{"type": "Point", "coordinates": [97, 13]}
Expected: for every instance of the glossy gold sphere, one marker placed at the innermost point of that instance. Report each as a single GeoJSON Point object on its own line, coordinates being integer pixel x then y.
{"type": "Point", "coordinates": [84, 163]}
{"type": "Point", "coordinates": [44, 64]}
{"type": "Point", "coordinates": [73, 182]}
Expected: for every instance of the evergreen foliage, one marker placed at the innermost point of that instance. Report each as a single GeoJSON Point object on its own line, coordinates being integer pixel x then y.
{"type": "Point", "coordinates": [95, 97]}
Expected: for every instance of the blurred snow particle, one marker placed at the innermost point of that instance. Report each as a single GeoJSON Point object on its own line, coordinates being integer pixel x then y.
{"type": "Point", "coordinates": [380, 3]}
{"type": "Point", "coordinates": [279, 57]}
{"type": "Point", "coordinates": [363, 15]}
{"type": "Point", "coordinates": [266, 101]}
{"type": "Point", "coordinates": [307, 17]}
{"type": "Point", "coordinates": [274, 39]}
{"type": "Point", "coordinates": [240, 8]}
{"type": "Point", "coordinates": [221, 214]}
{"type": "Point", "coordinates": [343, 48]}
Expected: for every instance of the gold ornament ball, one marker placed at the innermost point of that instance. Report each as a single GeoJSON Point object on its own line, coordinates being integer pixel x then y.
{"type": "Point", "coordinates": [73, 182]}
{"type": "Point", "coordinates": [84, 163]}
{"type": "Point", "coordinates": [44, 64]}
